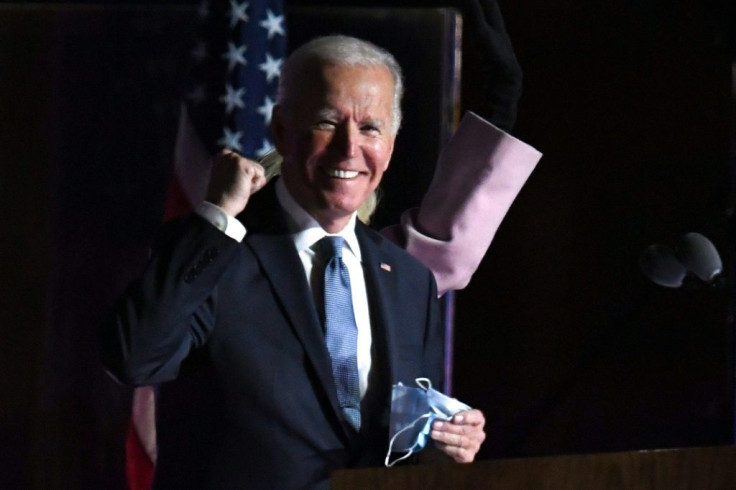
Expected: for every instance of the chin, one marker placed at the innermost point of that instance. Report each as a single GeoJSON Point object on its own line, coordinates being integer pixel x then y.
{"type": "Point", "coordinates": [344, 206]}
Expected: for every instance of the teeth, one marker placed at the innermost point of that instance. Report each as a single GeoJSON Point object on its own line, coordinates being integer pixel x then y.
{"type": "Point", "coordinates": [342, 174]}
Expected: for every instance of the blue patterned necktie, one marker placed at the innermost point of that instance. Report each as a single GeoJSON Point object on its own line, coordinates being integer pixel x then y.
{"type": "Point", "coordinates": [341, 331]}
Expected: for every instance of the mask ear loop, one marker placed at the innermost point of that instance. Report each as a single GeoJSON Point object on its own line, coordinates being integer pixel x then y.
{"type": "Point", "coordinates": [421, 382]}
{"type": "Point", "coordinates": [393, 439]}
{"type": "Point", "coordinates": [426, 385]}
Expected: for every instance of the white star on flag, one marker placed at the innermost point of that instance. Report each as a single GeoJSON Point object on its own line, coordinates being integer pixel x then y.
{"type": "Point", "coordinates": [230, 139]}
{"type": "Point", "coordinates": [266, 109]}
{"type": "Point", "coordinates": [274, 24]}
{"type": "Point", "coordinates": [237, 12]}
{"type": "Point", "coordinates": [271, 66]}
{"type": "Point", "coordinates": [233, 98]}
{"type": "Point", "coordinates": [235, 55]}
{"type": "Point", "coordinates": [199, 52]}
{"type": "Point", "coordinates": [265, 148]}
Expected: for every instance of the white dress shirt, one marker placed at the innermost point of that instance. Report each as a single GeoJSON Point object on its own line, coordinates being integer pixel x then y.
{"type": "Point", "coordinates": [306, 232]}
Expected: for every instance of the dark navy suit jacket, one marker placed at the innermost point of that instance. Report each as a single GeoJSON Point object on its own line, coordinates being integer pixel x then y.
{"type": "Point", "coordinates": [230, 333]}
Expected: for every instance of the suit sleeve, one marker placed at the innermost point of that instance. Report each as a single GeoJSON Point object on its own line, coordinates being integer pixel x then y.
{"type": "Point", "coordinates": [170, 310]}
{"type": "Point", "coordinates": [496, 62]}
{"type": "Point", "coordinates": [478, 175]}
{"type": "Point", "coordinates": [434, 342]}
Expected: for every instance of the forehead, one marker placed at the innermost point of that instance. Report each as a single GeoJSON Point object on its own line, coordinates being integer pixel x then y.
{"type": "Point", "coordinates": [361, 86]}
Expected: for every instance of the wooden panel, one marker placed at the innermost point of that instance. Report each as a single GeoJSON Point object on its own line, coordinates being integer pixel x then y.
{"type": "Point", "coordinates": [686, 469]}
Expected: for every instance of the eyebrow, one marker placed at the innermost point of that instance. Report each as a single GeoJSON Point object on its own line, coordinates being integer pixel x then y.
{"type": "Point", "coordinates": [379, 123]}
{"type": "Point", "coordinates": [327, 114]}
{"type": "Point", "coordinates": [333, 114]}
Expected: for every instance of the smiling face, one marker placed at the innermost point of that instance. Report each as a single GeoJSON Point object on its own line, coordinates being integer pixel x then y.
{"type": "Point", "coordinates": [336, 140]}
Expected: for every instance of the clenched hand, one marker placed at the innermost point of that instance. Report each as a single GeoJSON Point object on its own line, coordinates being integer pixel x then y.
{"type": "Point", "coordinates": [233, 180]}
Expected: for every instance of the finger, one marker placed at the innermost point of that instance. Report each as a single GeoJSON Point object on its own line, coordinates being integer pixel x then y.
{"type": "Point", "coordinates": [457, 453]}
{"type": "Point", "coordinates": [463, 436]}
{"type": "Point", "coordinates": [228, 152]}
{"type": "Point", "coordinates": [224, 153]}
{"type": "Point", "coordinates": [224, 157]}
{"type": "Point", "coordinates": [447, 437]}
{"type": "Point", "coordinates": [255, 175]}
{"type": "Point", "coordinates": [454, 428]}
{"type": "Point", "coordinates": [451, 431]}
{"type": "Point", "coordinates": [257, 184]}
{"type": "Point", "coordinates": [459, 435]}
{"type": "Point", "coordinates": [449, 427]}
{"type": "Point", "coordinates": [258, 169]}
{"type": "Point", "coordinates": [470, 417]}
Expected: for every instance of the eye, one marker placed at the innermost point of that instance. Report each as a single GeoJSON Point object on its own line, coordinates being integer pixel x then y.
{"type": "Point", "coordinates": [325, 124]}
{"type": "Point", "coordinates": [371, 129]}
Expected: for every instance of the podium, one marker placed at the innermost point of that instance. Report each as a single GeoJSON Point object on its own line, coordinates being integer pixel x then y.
{"type": "Point", "coordinates": [663, 469]}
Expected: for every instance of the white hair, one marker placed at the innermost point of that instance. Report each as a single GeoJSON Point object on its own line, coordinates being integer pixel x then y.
{"type": "Point", "coordinates": [343, 51]}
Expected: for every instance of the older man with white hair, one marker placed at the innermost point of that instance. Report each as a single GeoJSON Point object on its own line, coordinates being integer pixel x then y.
{"type": "Point", "coordinates": [276, 323]}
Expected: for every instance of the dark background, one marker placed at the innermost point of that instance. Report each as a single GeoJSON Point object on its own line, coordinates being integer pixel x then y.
{"type": "Point", "coordinates": [560, 340]}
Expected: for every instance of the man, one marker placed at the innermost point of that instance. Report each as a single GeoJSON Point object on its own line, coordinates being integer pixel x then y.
{"type": "Point", "coordinates": [234, 331]}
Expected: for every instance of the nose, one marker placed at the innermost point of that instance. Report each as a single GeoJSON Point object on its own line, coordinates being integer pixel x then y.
{"type": "Point", "coordinates": [346, 139]}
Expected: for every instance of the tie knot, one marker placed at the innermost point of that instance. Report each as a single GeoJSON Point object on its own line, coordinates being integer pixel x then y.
{"type": "Point", "coordinates": [331, 246]}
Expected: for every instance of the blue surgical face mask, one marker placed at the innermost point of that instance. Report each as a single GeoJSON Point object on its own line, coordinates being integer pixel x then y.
{"type": "Point", "coordinates": [413, 410]}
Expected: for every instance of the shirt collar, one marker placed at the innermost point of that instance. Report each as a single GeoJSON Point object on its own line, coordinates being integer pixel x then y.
{"type": "Point", "coordinates": [305, 230]}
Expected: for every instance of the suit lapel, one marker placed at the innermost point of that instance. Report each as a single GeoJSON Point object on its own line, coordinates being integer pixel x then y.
{"type": "Point", "coordinates": [284, 270]}
{"type": "Point", "coordinates": [383, 294]}
{"type": "Point", "coordinates": [270, 241]}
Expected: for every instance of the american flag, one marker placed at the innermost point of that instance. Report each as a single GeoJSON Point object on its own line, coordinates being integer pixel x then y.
{"type": "Point", "coordinates": [235, 67]}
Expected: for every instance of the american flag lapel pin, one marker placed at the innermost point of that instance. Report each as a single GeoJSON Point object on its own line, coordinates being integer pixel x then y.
{"type": "Point", "coordinates": [385, 267]}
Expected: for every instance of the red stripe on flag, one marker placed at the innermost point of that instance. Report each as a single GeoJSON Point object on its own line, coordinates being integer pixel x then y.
{"type": "Point", "coordinates": [177, 202]}
{"type": "Point", "coordinates": [138, 466]}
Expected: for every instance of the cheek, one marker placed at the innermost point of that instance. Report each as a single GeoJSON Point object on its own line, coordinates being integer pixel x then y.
{"type": "Point", "coordinates": [313, 145]}
{"type": "Point", "coordinates": [380, 154]}
{"type": "Point", "coordinates": [306, 149]}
